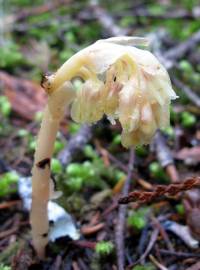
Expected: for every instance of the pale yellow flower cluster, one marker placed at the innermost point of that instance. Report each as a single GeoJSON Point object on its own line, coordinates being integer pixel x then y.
{"type": "Point", "coordinates": [122, 82]}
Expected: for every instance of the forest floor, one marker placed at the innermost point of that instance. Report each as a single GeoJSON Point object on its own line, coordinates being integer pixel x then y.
{"type": "Point", "coordinates": [157, 227]}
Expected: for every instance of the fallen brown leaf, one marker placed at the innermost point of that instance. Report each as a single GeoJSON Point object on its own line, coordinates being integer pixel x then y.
{"type": "Point", "coordinates": [191, 156]}
{"type": "Point", "coordinates": [195, 266]}
{"type": "Point", "coordinates": [26, 97]}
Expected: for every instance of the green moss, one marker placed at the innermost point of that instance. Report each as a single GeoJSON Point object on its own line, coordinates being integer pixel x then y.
{"type": "Point", "coordinates": [4, 267]}
{"type": "Point", "coordinates": [104, 248]}
{"type": "Point", "coordinates": [188, 120]}
{"type": "Point", "coordinates": [5, 106]}
{"type": "Point", "coordinates": [147, 266]}
{"type": "Point", "coordinates": [56, 166]}
{"type": "Point", "coordinates": [138, 219]}
{"type": "Point", "coordinates": [180, 209]}
{"type": "Point", "coordinates": [158, 172]}
{"type": "Point", "coordinates": [8, 59]}
{"type": "Point", "coordinates": [8, 183]}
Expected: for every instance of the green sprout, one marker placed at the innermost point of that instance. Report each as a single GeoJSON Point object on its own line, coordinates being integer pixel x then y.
{"type": "Point", "coordinates": [89, 152]}
{"type": "Point", "coordinates": [147, 266]}
{"type": "Point", "coordinates": [141, 151]}
{"type": "Point", "coordinates": [4, 267]}
{"type": "Point", "coordinates": [186, 67]}
{"type": "Point", "coordinates": [169, 131]}
{"type": "Point", "coordinates": [8, 59]}
{"type": "Point", "coordinates": [116, 139]}
{"type": "Point", "coordinates": [157, 171]}
{"type": "Point", "coordinates": [104, 248]}
{"type": "Point", "coordinates": [58, 146]}
{"type": "Point", "coordinates": [22, 133]}
{"type": "Point", "coordinates": [138, 219]}
{"type": "Point", "coordinates": [74, 128]}
{"type": "Point", "coordinates": [5, 106]}
{"type": "Point", "coordinates": [188, 120]}
{"type": "Point", "coordinates": [32, 144]}
{"type": "Point", "coordinates": [56, 166]}
{"type": "Point", "coordinates": [38, 116]}
{"type": "Point", "coordinates": [8, 183]}
{"type": "Point", "coordinates": [180, 209]}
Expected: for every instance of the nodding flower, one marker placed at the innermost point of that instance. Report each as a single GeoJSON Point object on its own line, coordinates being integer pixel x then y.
{"type": "Point", "coordinates": [120, 81]}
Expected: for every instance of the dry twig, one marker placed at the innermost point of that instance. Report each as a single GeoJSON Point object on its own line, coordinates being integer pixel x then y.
{"type": "Point", "coordinates": [159, 190]}
{"type": "Point", "coordinates": [119, 233]}
{"type": "Point", "coordinates": [75, 144]}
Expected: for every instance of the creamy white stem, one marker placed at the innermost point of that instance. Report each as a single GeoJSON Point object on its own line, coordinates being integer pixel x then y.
{"type": "Point", "coordinates": [53, 114]}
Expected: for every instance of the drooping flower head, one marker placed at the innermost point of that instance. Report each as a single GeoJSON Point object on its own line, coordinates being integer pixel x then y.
{"type": "Point", "coordinates": [122, 82]}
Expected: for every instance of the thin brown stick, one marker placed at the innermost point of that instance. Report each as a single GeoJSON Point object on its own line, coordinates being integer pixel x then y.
{"type": "Point", "coordinates": [163, 233]}
{"type": "Point", "coordinates": [165, 157]}
{"type": "Point", "coordinates": [156, 263]}
{"type": "Point", "coordinates": [159, 190]}
{"type": "Point", "coordinates": [9, 204]}
{"type": "Point", "coordinates": [179, 254]}
{"type": "Point", "coordinates": [149, 247]}
{"type": "Point", "coordinates": [120, 227]}
{"type": "Point", "coordinates": [87, 230]}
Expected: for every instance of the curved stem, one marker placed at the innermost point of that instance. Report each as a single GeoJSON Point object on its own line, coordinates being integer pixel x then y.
{"type": "Point", "coordinates": [53, 114]}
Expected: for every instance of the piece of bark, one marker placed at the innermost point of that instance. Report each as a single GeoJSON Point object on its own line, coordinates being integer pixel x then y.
{"type": "Point", "coordinates": [26, 97]}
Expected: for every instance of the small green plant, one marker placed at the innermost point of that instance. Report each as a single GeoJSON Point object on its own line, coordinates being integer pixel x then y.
{"type": "Point", "coordinates": [56, 166]}
{"type": "Point", "coordinates": [188, 120]}
{"type": "Point", "coordinates": [104, 248]}
{"type": "Point", "coordinates": [8, 59]}
{"type": "Point", "coordinates": [141, 151]}
{"type": "Point", "coordinates": [180, 209]}
{"type": "Point", "coordinates": [74, 128]}
{"type": "Point", "coordinates": [4, 267]}
{"type": "Point", "coordinates": [8, 183]}
{"type": "Point", "coordinates": [186, 67]}
{"type": "Point", "coordinates": [169, 131]}
{"type": "Point", "coordinates": [116, 139]}
{"type": "Point", "coordinates": [89, 152]}
{"type": "Point", "coordinates": [38, 116]}
{"type": "Point", "coordinates": [5, 106]}
{"type": "Point", "coordinates": [138, 219]}
{"type": "Point", "coordinates": [147, 266]}
{"type": "Point", "coordinates": [23, 133]}
{"type": "Point", "coordinates": [158, 172]}
{"type": "Point", "coordinates": [58, 146]}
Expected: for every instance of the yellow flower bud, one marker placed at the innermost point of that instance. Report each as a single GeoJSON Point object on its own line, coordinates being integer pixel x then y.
{"type": "Point", "coordinates": [122, 82]}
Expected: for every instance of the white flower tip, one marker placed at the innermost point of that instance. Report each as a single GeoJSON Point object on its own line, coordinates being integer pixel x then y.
{"type": "Point", "coordinates": [128, 41]}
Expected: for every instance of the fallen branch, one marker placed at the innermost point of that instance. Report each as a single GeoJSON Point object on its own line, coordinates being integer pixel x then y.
{"type": "Point", "coordinates": [120, 227]}
{"type": "Point", "coordinates": [181, 49]}
{"type": "Point", "coordinates": [159, 190]}
{"type": "Point", "coordinates": [179, 253]}
{"type": "Point", "coordinates": [75, 144]}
